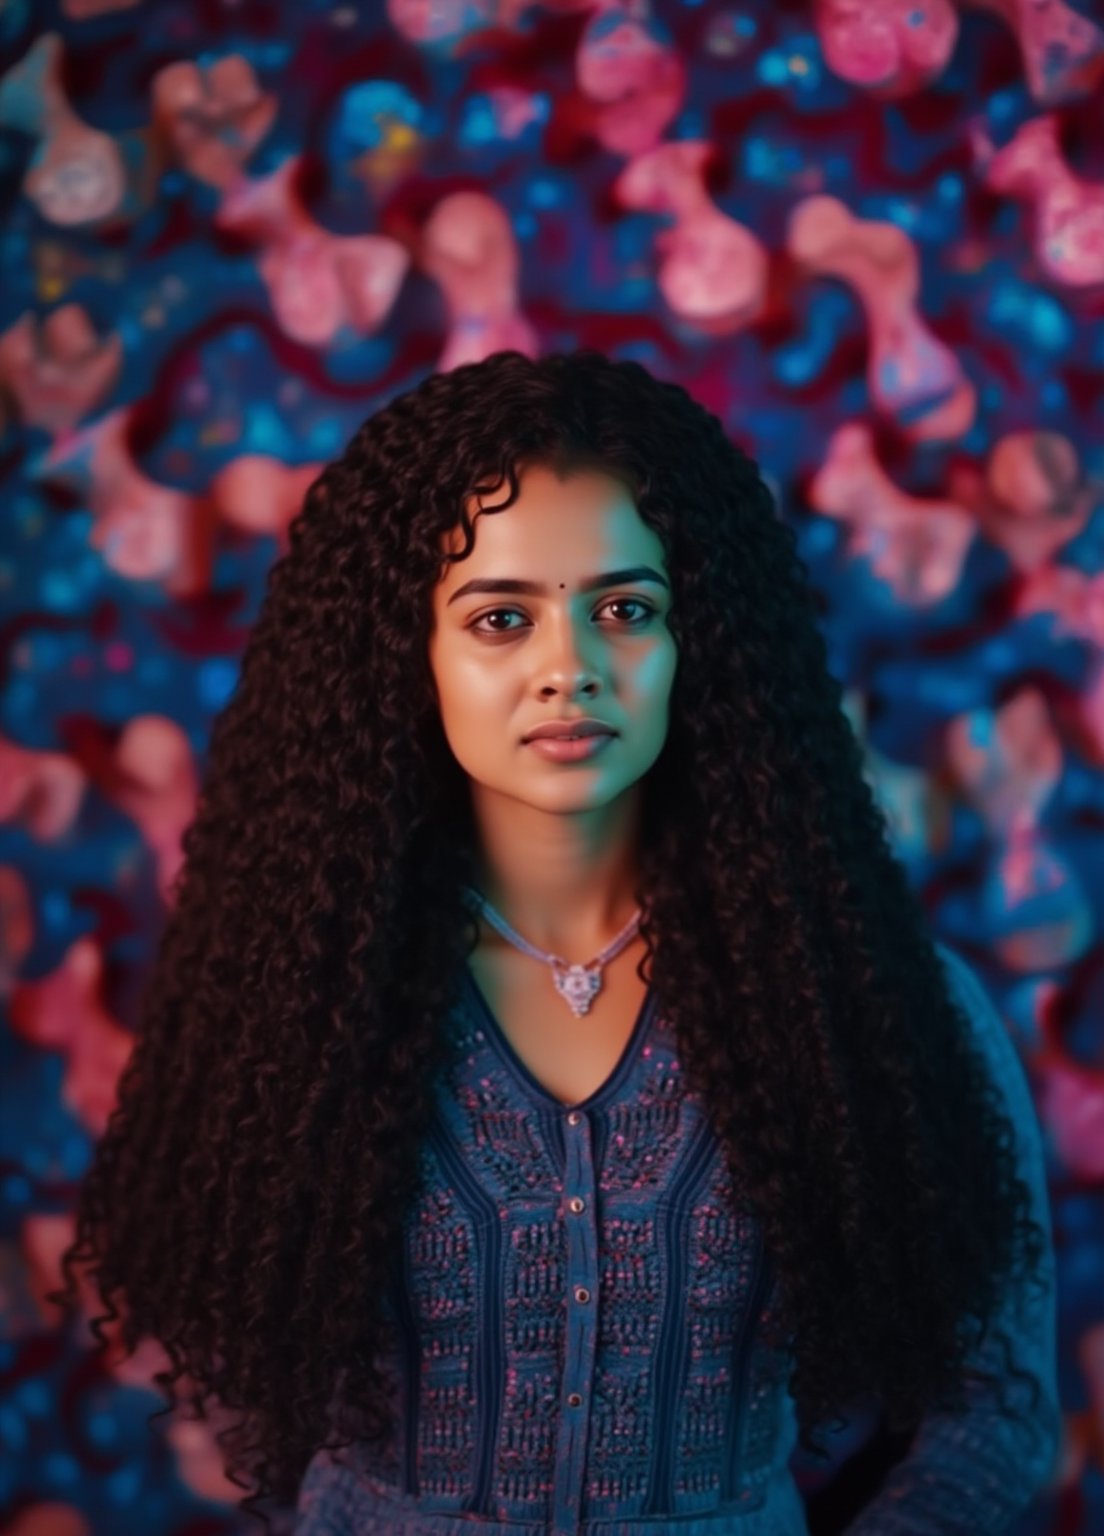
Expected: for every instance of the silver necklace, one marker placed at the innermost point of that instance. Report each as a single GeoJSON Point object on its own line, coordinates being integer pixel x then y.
{"type": "Point", "coordinates": [577, 984]}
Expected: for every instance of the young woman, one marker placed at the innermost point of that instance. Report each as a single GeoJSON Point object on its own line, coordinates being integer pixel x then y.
{"type": "Point", "coordinates": [544, 1135]}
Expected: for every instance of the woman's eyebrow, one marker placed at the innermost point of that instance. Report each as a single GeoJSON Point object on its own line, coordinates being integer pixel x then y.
{"type": "Point", "coordinates": [538, 588]}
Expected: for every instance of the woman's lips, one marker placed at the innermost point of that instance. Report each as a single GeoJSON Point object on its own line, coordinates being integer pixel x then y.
{"type": "Point", "coordinates": [563, 749]}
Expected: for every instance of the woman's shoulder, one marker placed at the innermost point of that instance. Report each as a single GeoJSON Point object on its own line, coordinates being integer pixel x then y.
{"type": "Point", "coordinates": [966, 986]}
{"type": "Point", "coordinates": [993, 1037]}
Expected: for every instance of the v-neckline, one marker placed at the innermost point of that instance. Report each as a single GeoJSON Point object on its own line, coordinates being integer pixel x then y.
{"type": "Point", "coordinates": [514, 1062]}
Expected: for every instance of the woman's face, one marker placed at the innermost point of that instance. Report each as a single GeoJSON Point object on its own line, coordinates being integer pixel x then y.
{"type": "Point", "coordinates": [505, 661]}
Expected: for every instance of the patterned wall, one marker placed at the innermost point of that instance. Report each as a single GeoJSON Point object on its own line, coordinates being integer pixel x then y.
{"type": "Point", "coordinates": [868, 234]}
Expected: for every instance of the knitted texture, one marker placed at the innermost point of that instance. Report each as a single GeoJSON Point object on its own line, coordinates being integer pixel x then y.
{"type": "Point", "coordinates": [577, 1332]}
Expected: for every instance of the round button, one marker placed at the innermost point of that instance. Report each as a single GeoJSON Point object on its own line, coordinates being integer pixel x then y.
{"type": "Point", "coordinates": [581, 1293]}
{"type": "Point", "coordinates": [574, 1117]}
{"type": "Point", "coordinates": [576, 1204]}
{"type": "Point", "coordinates": [574, 1399]}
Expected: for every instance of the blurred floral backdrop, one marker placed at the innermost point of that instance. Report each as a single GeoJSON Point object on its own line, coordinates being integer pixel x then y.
{"type": "Point", "coordinates": [867, 234]}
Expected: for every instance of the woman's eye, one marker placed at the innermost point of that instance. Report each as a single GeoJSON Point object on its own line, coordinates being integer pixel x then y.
{"type": "Point", "coordinates": [620, 602]}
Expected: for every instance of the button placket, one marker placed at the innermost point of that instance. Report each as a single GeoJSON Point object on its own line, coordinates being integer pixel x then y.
{"type": "Point", "coordinates": [581, 1276]}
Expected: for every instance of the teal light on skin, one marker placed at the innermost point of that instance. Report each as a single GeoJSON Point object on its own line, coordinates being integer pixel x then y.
{"type": "Point", "coordinates": [558, 841]}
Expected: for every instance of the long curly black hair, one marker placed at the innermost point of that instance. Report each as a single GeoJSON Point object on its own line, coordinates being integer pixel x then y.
{"type": "Point", "coordinates": [250, 1187]}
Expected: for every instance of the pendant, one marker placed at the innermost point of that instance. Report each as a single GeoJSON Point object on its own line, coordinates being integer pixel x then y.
{"type": "Point", "coordinates": [577, 985]}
